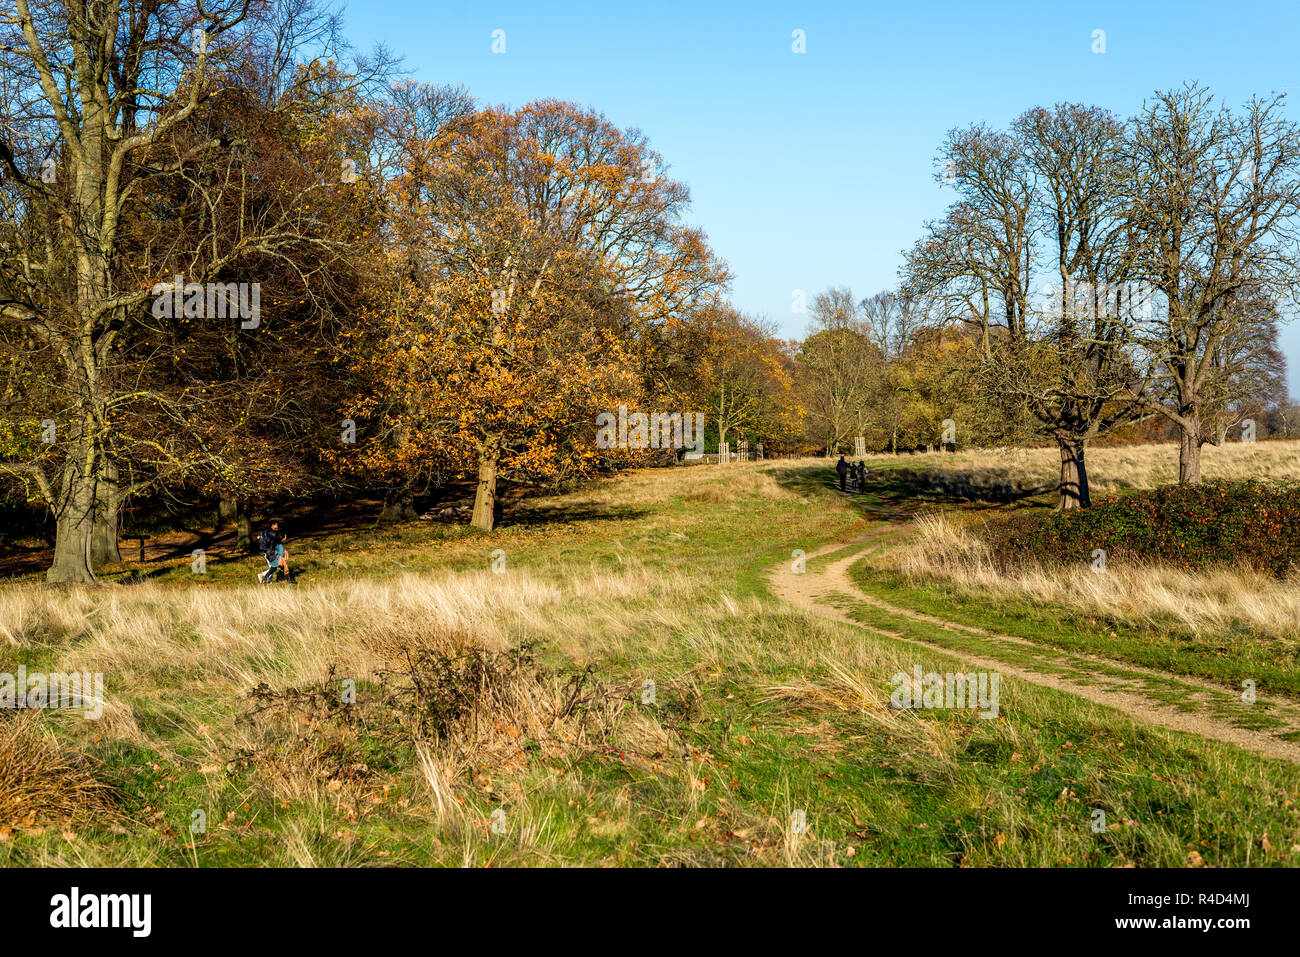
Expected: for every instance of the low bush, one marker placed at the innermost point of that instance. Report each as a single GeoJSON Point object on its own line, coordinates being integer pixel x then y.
{"type": "Point", "coordinates": [40, 785]}
{"type": "Point", "coordinates": [1191, 527]}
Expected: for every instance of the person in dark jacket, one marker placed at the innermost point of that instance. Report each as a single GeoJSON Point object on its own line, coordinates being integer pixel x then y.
{"type": "Point", "coordinates": [842, 467]}
{"type": "Point", "coordinates": [862, 476]}
{"type": "Point", "coordinates": [271, 542]}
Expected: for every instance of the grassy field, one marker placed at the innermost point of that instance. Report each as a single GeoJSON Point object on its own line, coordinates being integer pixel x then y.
{"type": "Point", "coordinates": [1016, 472]}
{"type": "Point", "coordinates": [616, 685]}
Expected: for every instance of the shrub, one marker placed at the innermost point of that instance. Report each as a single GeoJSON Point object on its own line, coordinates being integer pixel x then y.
{"type": "Point", "coordinates": [1183, 526]}
{"type": "Point", "coordinates": [40, 784]}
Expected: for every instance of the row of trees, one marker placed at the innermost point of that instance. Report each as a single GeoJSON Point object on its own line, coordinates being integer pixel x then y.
{"type": "Point", "coordinates": [238, 259]}
{"type": "Point", "coordinates": [882, 369]}
{"type": "Point", "coordinates": [1093, 274]}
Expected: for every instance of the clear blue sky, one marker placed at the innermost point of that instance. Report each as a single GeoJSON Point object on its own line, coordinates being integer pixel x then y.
{"type": "Point", "coordinates": [816, 169]}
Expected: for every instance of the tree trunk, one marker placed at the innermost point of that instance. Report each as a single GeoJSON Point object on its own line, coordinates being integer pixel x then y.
{"type": "Point", "coordinates": [75, 524]}
{"type": "Point", "coordinates": [108, 510]}
{"type": "Point", "coordinates": [398, 507]}
{"type": "Point", "coordinates": [1074, 476]}
{"type": "Point", "coordinates": [485, 496]}
{"type": "Point", "coordinates": [244, 527]}
{"type": "Point", "coordinates": [227, 510]}
{"type": "Point", "coordinates": [1189, 453]}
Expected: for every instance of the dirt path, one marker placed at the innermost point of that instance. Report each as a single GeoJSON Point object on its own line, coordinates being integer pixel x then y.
{"type": "Point", "coordinates": [815, 591]}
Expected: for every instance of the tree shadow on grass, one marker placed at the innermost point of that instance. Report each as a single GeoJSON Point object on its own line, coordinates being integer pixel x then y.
{"type": "Point", "coordinates": [895, 494]}
{"type": "Point", "coordinates": [139, 576]}
{"type": "Point", "coordinates": [19, 560]}
{"type": "Point", "coordinates": [529, 516]}
{"type": "Point", "coordinates": [913, 490]}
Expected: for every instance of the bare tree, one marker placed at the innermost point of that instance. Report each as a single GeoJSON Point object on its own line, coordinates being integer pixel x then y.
{"type": "Point", "coordinates": [1214, 196]}
{"type": "Point", "coordinates": [1248, 368]}
{"type": "Point", "coordinates": [891, 318]}
{"type": "Point", "coordinates": [841, 365]}
{"type": "Point", "coordinates": [979, 260]}
{"type": "Point", "coordinates": [1078, 378]}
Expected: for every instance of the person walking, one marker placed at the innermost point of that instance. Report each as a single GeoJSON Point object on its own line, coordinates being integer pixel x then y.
{"type": "Point", "coordinates": [271, 542]}
{"type": "Point", "coordinates": [842, 467]}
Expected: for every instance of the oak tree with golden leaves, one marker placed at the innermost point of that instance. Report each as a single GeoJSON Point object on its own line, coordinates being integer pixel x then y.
{"type": "Point", "coordinates": [530, 255]}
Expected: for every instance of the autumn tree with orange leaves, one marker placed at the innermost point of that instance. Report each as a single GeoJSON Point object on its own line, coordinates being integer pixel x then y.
{"type": "Point", "coordinates": [532, 254]}
{"type": "Point", "coordinates": [743, 379]}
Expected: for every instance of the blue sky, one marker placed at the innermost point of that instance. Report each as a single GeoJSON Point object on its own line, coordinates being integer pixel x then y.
{"type": "Point", "coordinates": [816, 169]}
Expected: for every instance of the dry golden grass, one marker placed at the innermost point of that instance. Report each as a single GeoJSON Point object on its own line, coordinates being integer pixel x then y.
{"type": "Point", "coordinates": [241, 635]}
{"type": "Point", "coordinates": [507, 711]}
{"type": "Point", "coordinates": [39, 785]}
{"type": "Point", "coordinates": [946, 548]}
{"type": "Point", "coordinates": [656, 591]}
{"type": "Point", "coordinates": [156, 642]}
{"type": "Point", "coordinates": [1110, 469]}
